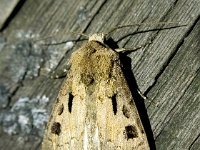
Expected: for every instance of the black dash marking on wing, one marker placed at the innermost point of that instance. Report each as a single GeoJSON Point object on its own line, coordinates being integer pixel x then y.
{"type": "Point", "coordinates": [70, 102]}
{"type": "Point", "coordinates": [114, 104]}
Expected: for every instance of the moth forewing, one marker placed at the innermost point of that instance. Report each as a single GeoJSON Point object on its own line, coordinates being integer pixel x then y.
{"type": "Point", "coordinates": [95, 109]}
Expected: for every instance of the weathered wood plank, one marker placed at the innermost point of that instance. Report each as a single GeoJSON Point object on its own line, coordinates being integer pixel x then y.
{"type": "Point", "coordinates": [177, 89]}
{"type": "Point", "coordinates": [167, 70]}
{"type": "Point", "coordinates": [6, 9]}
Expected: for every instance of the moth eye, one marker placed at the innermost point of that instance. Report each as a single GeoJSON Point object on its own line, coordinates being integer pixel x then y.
{"type": "Point", "coordinates": [55, 128]}
{"type": "Point", "coordinates": [60, 109]}
{"type": "Point", "coordinates": [114, 104]}
{"type": "Point", "coordinates": [70, 102]}
{"type": "Point", "coordinates": [126, 112]}
{"type": "Point", "coordinates": [130, 132]}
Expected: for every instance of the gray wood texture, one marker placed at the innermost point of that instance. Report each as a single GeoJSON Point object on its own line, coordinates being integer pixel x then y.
{"type": "Point", "coordinates": [6, 9]}
{"type": "Point", "coordinates": [166, 71]}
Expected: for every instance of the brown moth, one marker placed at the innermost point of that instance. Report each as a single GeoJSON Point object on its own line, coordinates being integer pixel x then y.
{"type": "Point", "coordinates": [95, 109]}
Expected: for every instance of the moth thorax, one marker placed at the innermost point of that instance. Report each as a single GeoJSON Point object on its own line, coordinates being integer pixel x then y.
{"type": "Point", "coordinates": [100, 37]}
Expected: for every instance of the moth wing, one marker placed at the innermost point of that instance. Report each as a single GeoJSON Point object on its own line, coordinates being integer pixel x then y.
{"type": "Point", "coordinates": [120, 126]}
{"type": "Point", "coordinates": [95, 109]}
{"type": "Point", "coordinates": [65, 129]}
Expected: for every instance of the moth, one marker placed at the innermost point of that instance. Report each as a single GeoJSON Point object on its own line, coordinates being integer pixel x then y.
{"type": "Point", "coordinates": [95, 109]}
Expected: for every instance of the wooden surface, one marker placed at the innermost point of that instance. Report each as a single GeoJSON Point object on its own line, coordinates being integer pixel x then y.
{"type": "Point", "coordinates": [166, 71]}
{"type": "Point", "coordinates": [7, 10]}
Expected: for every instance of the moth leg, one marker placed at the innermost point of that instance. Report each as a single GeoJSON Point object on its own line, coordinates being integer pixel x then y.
{"type": "Point", "coordinates": [122, 50]}
{"type": "Point", "coordinates": [142, 95]}
{"type": "Point", "coordinates": [145, 98]}
{"type": "Point", "coordinates": [60, 73]}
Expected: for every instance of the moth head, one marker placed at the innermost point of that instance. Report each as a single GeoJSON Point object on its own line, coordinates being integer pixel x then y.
{"type": "Point", "coordinates": [100, 37]}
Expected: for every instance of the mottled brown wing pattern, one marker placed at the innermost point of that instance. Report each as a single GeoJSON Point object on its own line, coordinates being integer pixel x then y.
{"type": "Point", "coordinates": [95, 109]}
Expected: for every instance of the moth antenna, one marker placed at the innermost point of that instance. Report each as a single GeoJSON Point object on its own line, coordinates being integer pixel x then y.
{"type": "Point", "coordinates": [139, 24]}
{"type": "Point", "coordinates": [62, 42]}
{"type": "Point", "coordinates": [82, 34]}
